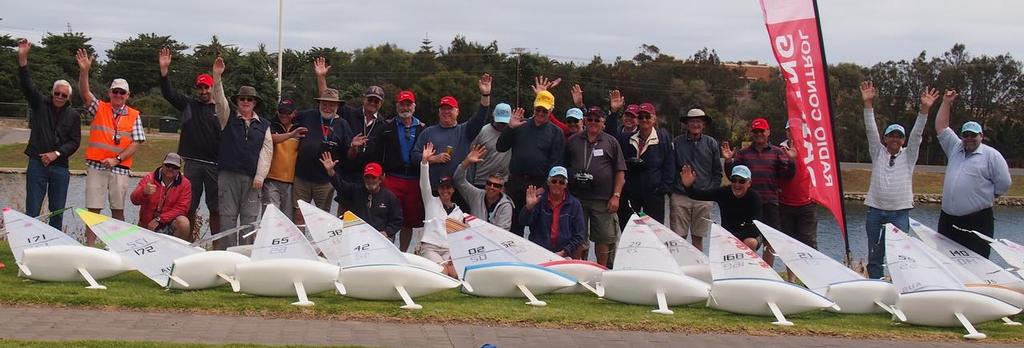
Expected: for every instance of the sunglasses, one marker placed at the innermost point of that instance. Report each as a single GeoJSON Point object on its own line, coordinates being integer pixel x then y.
{"type": "Point", "coordinates": [60, 95]}
{"type": "Point", "coordinates": [593, 120]}
{"type": "Point", "coordinates": [246, 99]}
{"type": "Point", "coordinates": [645, 116]}
{"type": "Point", "coordinates": [118, 91]}
{"type": "Point", "coordinates": [738, 180]}
{"type": "Point", "coordinates": [540, 111]}
{"type": "Point", "coordinates": [557, 181]}
{"type": "Point", "coordinates": [495, 185]}
{"type": "Point", "coordinates": [572, 121]}
{"type": "Point", "coordinates": [969, 135]}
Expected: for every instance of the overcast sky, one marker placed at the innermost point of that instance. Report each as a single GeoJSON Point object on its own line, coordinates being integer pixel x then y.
{"type": "Point", "coordinates": [865, 31]}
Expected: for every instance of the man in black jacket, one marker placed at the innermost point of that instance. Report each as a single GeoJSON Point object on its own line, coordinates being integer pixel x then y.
{"type": "Point", "coordinates": [199, 143]}
{"type": "Point", "coordinates": [370, 200]}
{"type": "Point", "coordinates": [56, 135]}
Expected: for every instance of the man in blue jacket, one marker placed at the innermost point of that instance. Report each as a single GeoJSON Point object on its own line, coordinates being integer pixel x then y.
{"type": "Point", "coordinates": [555, 217]}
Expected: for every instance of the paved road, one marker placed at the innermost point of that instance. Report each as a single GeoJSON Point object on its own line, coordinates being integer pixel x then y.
{"type": "Point", "coordinates": [40, 323]}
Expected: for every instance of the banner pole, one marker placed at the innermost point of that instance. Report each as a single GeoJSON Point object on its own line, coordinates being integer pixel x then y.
{"type": "Point", "coordinates": [835, 145]}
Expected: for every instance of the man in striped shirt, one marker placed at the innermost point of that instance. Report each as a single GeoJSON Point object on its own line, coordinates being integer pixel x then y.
{"type": "Point", "coordinates": [890, 194]}
{"type": "Point", "coordinates": [768, 165]}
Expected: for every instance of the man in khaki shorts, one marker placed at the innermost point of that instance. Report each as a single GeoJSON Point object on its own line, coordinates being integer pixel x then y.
{"type": "Point", "coordinates": [114, 136]}
{"type": "Point", "coordinates": [701, 153]}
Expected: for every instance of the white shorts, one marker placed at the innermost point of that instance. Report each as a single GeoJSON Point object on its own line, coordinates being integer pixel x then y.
{"type": "Point", "coordinates": [434, 253]}
{"type": "Point", "coordinates": [103, 186]}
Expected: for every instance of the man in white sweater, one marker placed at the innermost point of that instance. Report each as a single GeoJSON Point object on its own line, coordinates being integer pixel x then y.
{"type": "Point", "coordinates": [890, 195]}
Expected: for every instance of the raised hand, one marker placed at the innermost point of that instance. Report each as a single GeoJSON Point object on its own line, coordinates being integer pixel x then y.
{"type": "Point", "coordinates": [517, 118]}
{"type": "Point", "coordinates": [485, 84]}
{"type": "Point", "coordinates": [23, 47]}
{"type": "Point", "coordinates": [533, 194]}
{"type": "Point", "coordinates": [950, 96]}
{"type": "Point", "coordinates": [218, 66]}
{"type": "Point", "coordinates": [541, 83]}
{"type": "Point", "coordinates": [867, 93]}
{"type": "Point", "coordinates": [84, 60]}
{"type": "Point", "coordinates": [790, 151]}
{"type": "Point", "coordinates": [428, 151]}
{"type": "Point", "coordinates": [476, 155]}
{"type": "Point", "coordinates": [616, 100]}
{"type": "Point", "coordinates": [726, 151]}
{"type": "Point", "coordinates": [577, 95]}
{"type": "Point", "coordinates": [320, 67]}
{"type": "Point", "coordinates": [687, 176]}
{"type": "Point", "coordinates": [928, 98]}
{"type": "Point", "coordinates": [165, 60]}
{"type": "Point", "coordinates": [328, 162]}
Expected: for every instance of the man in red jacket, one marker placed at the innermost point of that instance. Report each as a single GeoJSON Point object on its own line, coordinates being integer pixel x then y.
{"type": "Point", "coordinates": [164, 197]}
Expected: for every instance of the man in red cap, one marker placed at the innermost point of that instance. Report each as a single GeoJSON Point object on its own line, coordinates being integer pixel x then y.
{"type": "Point", "coordinates": [396, 141]}
{"type": "Point", "coordinates": [769, 164]}
{"type": "Point", "coordinates": [370, 201]}
{"type": "Point", "coordinates": [451, 139]}
{"type": "Point", "coordinates": [199, 142]}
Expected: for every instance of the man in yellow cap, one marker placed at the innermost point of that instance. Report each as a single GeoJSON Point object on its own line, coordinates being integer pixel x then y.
{"type": "Point", "coordinates": [536, 145]}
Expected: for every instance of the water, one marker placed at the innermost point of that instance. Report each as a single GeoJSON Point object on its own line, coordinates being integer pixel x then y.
{"type": "Point", "coordinates": [1008, 219]}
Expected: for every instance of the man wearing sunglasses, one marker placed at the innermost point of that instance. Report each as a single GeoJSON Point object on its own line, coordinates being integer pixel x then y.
{"type": "Point", "coordinates": [976, 174]}
{"type": "Point", "coordinates": [495, 162]}
{"type": "Point", "coordinates": [554, 216]}
{"type": "Point", "coordinates": [597, 170]}
{"type": "Point", "coordinates": [164, 197]}
{"type": "Point", "coordinates": [490, 203]}
{"type": "Point", "coordinates": [55, 136]}
{"type": "Point", "coordinates": [738, 205]}
{"type": "Point", "coordinates": [246, 151]}
{"type": "Point", "coordinates": [200, 137]}
{"type": "Point", "coordinates": [890, 193]}
{"type": "Point", "coordinates": [535, 143]}
{"type": "Point", "coordinates": [768, 164]}
{"type": "Point", "coordinates": [114, 136]}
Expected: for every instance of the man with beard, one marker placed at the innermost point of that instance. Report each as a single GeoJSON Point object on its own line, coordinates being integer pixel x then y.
{"type": "Point", "coordinates": [976, 175]}
{"type": "Point", "coordinates": [329, 133]}
{"type": "Point", "coordinates": [114, 136]}
{"type": "Point", "coordinates": [397, 139]}
{"type": "Point", "coordinates": [368, 200]}
{"type": "Point", "coordinates": [364, 123]}
{"type": "Point", "coordinates": [56, 135]}
{"type": "Point", "coordinates": [199, 141]}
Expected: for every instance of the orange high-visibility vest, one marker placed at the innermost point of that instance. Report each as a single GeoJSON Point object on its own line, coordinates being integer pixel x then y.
{"type": "Point", "coordinates": [101, 134]}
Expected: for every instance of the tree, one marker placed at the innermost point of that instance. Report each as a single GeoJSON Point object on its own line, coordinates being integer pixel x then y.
{"type": "Point", "coordinates": [135, 60]}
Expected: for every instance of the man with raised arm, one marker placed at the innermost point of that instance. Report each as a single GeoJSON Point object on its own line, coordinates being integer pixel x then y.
{"type": "Point", "coordinates": [365, 123]}
{"type": "Point", "coordinates": [200, 138]}
{"type": "Point", "coordinates": [976, 174]}
{"type": "Point", "coordinates": [56, 135]}
{"type": "Point", "coordinates": [489, 203]}
{"type": "Point", "coordinates": [434, 245]}
{"type": "Point", "coordinates": [890, 194]}
{"type": "Point", "coordinates": [114, 136]}
{"type": "Point", "coordinates": [246, 150]}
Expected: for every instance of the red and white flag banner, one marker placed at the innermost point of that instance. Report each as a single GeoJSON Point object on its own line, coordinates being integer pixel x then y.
{"type": "Point", "coordinates": [793, 31]}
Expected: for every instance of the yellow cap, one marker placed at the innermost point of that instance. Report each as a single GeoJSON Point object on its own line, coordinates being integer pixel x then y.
{"type": "Point", "coordinates": [545, 100]}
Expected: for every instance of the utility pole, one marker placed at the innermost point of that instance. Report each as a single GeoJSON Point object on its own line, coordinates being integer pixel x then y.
{"type": "Point", "coordinates": [69, 27]}
{"type": "Point", "coordinates": [280, 44]}
{"type": "Point", "coordinates": [518, 51]}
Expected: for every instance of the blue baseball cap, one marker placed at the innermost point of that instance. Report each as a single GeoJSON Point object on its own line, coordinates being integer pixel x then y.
{"type": "Point", "coordinates": [558, 170]}
{"type": "Point", "coordinates": [740, 171]}
{"type": "Point", "coordinates": [895, 128]}
{"type": "Point", "coordinates": [574, 113]}
{"type": "Point", "coordinates": [502, 113]}
{"type": "Point", "coordinates": [973, 127]}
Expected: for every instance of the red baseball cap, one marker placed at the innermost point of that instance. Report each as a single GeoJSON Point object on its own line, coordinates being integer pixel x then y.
{"type": "Point", "coordinates": [450, 101]}
{"type": "Point", "coordinates": [373, 169]}
{"type": "Point", "coordinates": [406, 95]}
{"type": "Point", "coordinates": [759, 123]}
{"type": "Point", "coordinates": [633, 109]}
{"type": "Point", "coordinates": [204, 79]}
{"type": "Point", "coordinates": [648, 108]}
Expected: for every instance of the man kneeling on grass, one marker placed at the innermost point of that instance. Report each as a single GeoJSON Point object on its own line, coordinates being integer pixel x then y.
{"type": "Point", "coordinates": [164, 197]}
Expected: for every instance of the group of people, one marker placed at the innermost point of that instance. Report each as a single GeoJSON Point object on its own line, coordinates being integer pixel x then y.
{"type": "Point", "coordinates": [568, 182]}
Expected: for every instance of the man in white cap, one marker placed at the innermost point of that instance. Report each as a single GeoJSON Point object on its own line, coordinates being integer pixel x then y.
{"type": "Point", "coordinates": [164, 197]}
{"type": "Point", "coordinates": [701, 152]}
{"type": "Point", "coordinates": [495, 162]}
{"type": "Point", "coordinates": [738, 205]}
{"type": "Point", "coordinates": [554, 216]}
{"type": "Point", "coordinates": [976, 174]}
{"type": "Point", "coordinates": [890, 194]}
{"type": "Point", "coordinates": [114, 136]}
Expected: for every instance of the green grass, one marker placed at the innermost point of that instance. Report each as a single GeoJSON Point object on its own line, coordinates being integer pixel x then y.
{"type": "Point", "coordinates": [148, 157]}
{"type": "Point", "coordinates": [127, 344]}
{"type": "Point", "coordinates": [134, 291]}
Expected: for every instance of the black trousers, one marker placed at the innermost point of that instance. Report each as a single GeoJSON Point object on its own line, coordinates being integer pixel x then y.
{"type": "Point", "coordinates": [652, 205]}
{"type": "Point", "coordinates": [981, 221]}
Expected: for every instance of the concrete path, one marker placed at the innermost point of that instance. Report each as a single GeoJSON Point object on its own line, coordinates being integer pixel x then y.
{"type": "Point", "coordinates": [41, 323]}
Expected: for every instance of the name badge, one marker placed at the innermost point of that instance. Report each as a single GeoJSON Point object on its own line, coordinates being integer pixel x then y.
{"type": "Point", "coordinates": [598, 152]}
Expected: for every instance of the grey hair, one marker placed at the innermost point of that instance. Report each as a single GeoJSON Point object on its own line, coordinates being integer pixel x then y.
{"type": "Point", "coordinates": [61, 83]}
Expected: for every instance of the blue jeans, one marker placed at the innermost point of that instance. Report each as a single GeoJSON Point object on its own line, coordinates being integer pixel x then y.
{"type": "Point", "coordinates": [42, 181]}
{"type": "Point", "coordinates": [876, 236]}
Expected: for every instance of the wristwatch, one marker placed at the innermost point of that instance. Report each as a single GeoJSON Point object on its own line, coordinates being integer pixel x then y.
{"type": "Point", "coordinates": [57, 152]}
{"type": "Point", "coordinates": [617, 195]}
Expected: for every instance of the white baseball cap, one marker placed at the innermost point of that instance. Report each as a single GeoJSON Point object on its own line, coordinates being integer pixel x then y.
{"type": "Point", "coordinates": [120, 83]}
